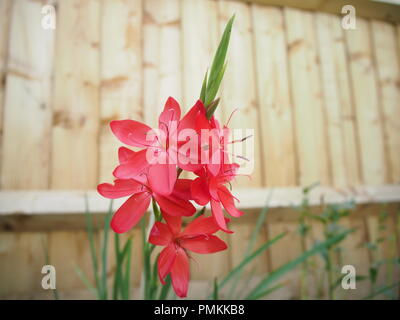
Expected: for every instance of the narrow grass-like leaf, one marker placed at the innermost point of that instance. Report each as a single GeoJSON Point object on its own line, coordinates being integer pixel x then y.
{"type": "Point", "coordinates": [263, 294]}
{"type": "Point", "coordinates": [215, 291]}
{"type": "Point", "coordinates": [165, 288]}
{"type": "Point", "coordinates": [259, 224]}
{"type": "Point", "coordinates": [154, 280]}
{"type": "Point", "coordinates": [85, 281]}
{"type": "Point", "coordinates": [104, 251]}
{"type": "Point", "coordinates": [118, 266]}
{"type": "Point", "coordinates": [93, 252]}
{"type": "Point", "coordinates": [248, 259]}
{"type": "Point", "coordinates": [211, 108]}
{"type": "Point", "coordinates": [251, 243]}
{"type": "Point", "coordinates": [204, 88]}
{"type": "Point", "coordinates": [126, 256]}
{"type": "Point", "coordinates": [218, 64]}
{"type": "Point", "coordinates": [213, 88]}
{"type": "Point", "coordinates": [276, 274]}
{"type": "Point", "coordinates": [381, 290]}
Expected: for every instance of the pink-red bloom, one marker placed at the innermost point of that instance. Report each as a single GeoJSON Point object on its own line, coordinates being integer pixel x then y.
{"type": "Point", "coordinates": [211, 188]}
{"type": "Point", "coordinates": [140, 194]}
{"type": "Point", "coordinates": [197, 237]}
{"type": "Point", "coordinates": [193, 143]}
{"type": "Point", "coordinates": [161, 170]}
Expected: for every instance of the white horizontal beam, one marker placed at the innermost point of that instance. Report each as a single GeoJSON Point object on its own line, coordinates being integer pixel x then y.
{"type": "Point", "coordinates": [73, 202]}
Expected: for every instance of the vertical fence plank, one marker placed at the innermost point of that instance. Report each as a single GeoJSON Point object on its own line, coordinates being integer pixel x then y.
{"type": "Point", "coordinates": [200, 41]}
{"type": "Point", "coordinates": [369, 126]}
{"type": "Point", "coordinates": [22, 258]}
{"type": "Point", "coordinates": [121, 74]}
{"type": "Point", "coordinates": [76, 96]}
{"type": "Point", "coordinates": [162, 56]}
{"type": "Point", "coordinates": [286, 249]}
{"type": "Point", "coordinates": [307, 98]}
{"type": "Point", "coordinates": [274, 97]}
{"type": "Point", "coordinates": [5, 18]}
{"type": "Point", "coordinates": [75, 150]}
{"type": "Point", "coordinates": [355, 253]}
{"type": "Point", "coordinates": [388, 77]}
{"type": "Point", "coordinates": [239, 88]}
{"type": "Point", "coordinates": [27, 110]}
{"type": "Point", "coordinates": [337, 100]}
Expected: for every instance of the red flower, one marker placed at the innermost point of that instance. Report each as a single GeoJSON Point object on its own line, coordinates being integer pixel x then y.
{"type": "Point", "coordinates": [162, 170]}
{"type": "Point", "coordinates": [140, 194]}
{"type": "Point", "coordinates": [209, 188]}
{"type": "Point", "coordinates": [173, 259]}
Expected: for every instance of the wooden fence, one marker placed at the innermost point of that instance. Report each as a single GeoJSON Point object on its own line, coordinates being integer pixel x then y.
{"type": "Point", "coordinates": [324, 103]}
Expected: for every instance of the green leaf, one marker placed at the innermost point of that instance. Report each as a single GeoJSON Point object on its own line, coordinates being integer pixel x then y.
{"type": "Point", "coordinates": [204, 88]}
{"type": "Point", "coordinates": [104, 251]}
{"type": "Point", "coordinates": [85, 280]}
{"type": "Point", "coordinates": [215, 291]}
{"type": "Point", "coordinates": [211, 108]}
{"type": "Point", "coordinates": [381, 290]}
{"type": "Point", "coordinates": [93, 253]}
{"type": "Point", "coordinates": [249, 258]}
{"type": "Point", "coordinates": [276, 274]}
{"type": "Point", "coordinates": [165, 288]}
{"type": "Point", "coordinates": [201, 212]}
{"type": "Point", "coordinates": [212, 89]}
{"type": "Point", "coordinates": [211, 86]}
{"type": "Point", "coordinates": [263, 294]}
{"type": "Point", "coordinates": [126, 255]}
{"type": "Point", "coordinates": [253, 239]}
{"type": "Point", "coordinates": [118, 265]}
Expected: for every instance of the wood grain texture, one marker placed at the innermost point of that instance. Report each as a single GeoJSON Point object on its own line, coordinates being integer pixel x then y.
{"type": "Point", "coordinates": [162, 56]}
{"type": "Point", "coordinates": [238, 91]}
{"type": "Point", "coordinates": [76, 96]}
{"type": "Point", "coordinates": [27, 104]}
{"type": "Point", "coordinates": [198, 44]}
{"type": "Point", "coordinates": [5, 18]}
{"type": "Point", "coordinates": [274, 97]}
{"type": "Point", "coordinates": [369, 125]}
{"type": "Point", "coordinates": [337, 101]}
{"type": "Point", "coordinates": [386, 53]}
{"type": "Point", "coordinates": [310, 118]}
{"type": "Point", "coordinates": [121, 74]}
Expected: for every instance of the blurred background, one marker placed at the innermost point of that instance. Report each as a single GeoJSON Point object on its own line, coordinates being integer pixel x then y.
{"type": "Point", "coordinates": [324, 102]}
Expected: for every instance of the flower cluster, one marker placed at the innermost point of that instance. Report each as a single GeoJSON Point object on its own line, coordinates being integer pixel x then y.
{"type": "Point", "coordinates": [194, 143]}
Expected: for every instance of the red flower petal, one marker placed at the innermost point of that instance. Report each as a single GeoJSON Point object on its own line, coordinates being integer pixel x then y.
{"type": "Point", "coordinates": [200, 191]}
{"type": "Point", "coordinates": [227, 201]}
{"type": "Point", "coordinates": [171, 112]}
{"type": "Point", "coordinates": [174, 206]}
{"type": "Point", "coordinates": [182, 189]}
{"type": "Point", "coordinates": [174, 222]}
{"type": "Point", "coordinates": [125, 154]}
{"type": "Point", "coordinates": [203, 244]}
{"type": "Point", "coordinates": [162, 178]}
{"type": "Point", "coordinates": [201, 225]}
{"type": "Point", "coordinates": [160, 234]}
{"type": "Point", "coordinates": [131, 132]}
{"type": "Point", "coordinates": [165, 261]}
{"type": "Point", "coordinates": [180, 273]}
{"type": "Point", "coordinates": [189, 120]}
{"type": "Point", "coordinates": [120, 188]}
{"type": "Point", "coordinates": [219, 216]}
{"type": "Point", "coordinates": [136, 165]}
{"type": "Point", "coordinates": [129, 214]}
